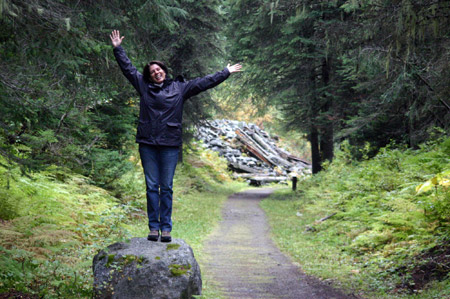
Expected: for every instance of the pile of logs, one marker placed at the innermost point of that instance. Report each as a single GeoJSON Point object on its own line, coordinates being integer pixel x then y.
{"type": "Point", "coordinates": [250, 151]}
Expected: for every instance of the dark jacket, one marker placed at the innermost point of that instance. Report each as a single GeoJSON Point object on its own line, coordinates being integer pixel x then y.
{"type": "Point", "coordinates": [161, 108]}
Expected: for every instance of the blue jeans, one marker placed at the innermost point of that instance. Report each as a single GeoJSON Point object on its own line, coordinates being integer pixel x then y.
{"type": "Point", "coordinates": [159, 163]}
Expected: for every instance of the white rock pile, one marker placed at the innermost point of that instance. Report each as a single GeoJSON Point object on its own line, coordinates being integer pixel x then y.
{"type": "Point", "coordinates": [250, 151]}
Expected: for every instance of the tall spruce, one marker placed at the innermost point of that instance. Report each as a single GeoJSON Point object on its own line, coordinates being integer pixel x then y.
{"type": "Point", "coordinates": [293, 62]}
{"type": "Point", "coordinates": [368, 71]}
{"type": "Point", "coordinates": [398, 69]}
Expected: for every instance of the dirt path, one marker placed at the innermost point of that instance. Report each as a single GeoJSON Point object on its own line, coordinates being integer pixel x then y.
{"type": "Point", "coordinates": [244, 263]}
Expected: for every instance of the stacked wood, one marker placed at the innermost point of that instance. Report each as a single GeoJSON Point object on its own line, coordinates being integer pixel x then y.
{"type": "Point", "coordinates": [250, 151]}
{"type": "Point", "coordinates": [252, 147]}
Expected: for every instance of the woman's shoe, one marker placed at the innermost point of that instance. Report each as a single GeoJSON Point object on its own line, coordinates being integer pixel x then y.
{"type": "Point", "coordinates": [153, 235]}
{"type": "Point", "coordinates": [165, 236]}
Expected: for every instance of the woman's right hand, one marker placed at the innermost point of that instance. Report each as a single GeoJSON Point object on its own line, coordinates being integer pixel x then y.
{"type": "Point", "coordinates": [116, 40]}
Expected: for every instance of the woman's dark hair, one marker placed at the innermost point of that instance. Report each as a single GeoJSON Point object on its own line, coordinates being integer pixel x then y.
{"type": "Point", "coordinates": [146, 72]}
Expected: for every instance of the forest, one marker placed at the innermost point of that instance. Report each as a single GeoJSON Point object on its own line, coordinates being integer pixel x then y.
{"type": "Point", "coordinates": [365, 84]}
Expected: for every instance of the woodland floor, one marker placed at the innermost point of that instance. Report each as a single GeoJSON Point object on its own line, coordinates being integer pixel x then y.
{"type": "Point", "coordinates": [243, 262]}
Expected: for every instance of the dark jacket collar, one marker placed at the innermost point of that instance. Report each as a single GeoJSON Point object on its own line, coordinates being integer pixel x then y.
{"type": "Point", "coordinates": [166, 82]}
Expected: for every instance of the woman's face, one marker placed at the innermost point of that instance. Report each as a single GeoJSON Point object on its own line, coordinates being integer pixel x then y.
{"type": "Point", "coordinates": [157, 74]}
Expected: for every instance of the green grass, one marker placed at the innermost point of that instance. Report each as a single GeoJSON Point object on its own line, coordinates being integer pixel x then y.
{"type": "Point", "coordinates": [196, 213]}
{"type": "Point", "coordinates": [383, 234]}
{"type": "Point", "coordinates": [53, 222]}
{"type": "Point", "coordinates": [198, 205]}
{"type": "Point", "coordinates": [201, 186]}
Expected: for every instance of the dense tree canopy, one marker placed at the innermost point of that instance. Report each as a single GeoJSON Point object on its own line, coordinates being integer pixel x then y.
{"type": "Point", "coordinates": [63, 98]}
{"type": "Point", "coordinates": [371, 71]}
{"type": "Point", "coordinates": [365, 70]}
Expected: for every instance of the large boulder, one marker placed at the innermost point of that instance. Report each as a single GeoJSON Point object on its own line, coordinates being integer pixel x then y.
{"type": "Point", "coordinates": [143, 269]}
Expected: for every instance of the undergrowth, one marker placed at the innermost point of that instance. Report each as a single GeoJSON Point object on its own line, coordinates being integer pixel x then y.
{"type": "Point", "coordinates": [53, 222]}
{"type": "Point", "coordinates": [384, 237]}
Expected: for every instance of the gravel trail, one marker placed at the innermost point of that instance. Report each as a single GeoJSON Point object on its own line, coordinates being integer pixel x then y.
{"type": "Point", "coordinates": [243, 261]}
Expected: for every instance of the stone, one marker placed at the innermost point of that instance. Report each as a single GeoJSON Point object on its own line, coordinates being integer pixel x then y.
{"type": "Point", "coordinates": [220, 136]}
{"type": "Point", "coordinates": [144, 269]}
{"type": "Point", "coordinates": [216, 142]}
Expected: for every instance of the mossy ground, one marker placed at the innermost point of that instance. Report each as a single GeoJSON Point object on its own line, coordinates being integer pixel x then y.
{"type": "Point", "coordinates": [385, 240]}
{"type": "Point", "coordinates": [53, 222]}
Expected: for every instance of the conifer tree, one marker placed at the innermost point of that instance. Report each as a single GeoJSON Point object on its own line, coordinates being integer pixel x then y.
{"type": "Point", "coordinates": [63, 99]}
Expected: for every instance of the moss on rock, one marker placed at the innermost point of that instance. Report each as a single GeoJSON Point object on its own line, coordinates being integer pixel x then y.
{"type": "Point", "coordinates": [178, 270]}
{"type": "Point", "coordinates": [172, 246]}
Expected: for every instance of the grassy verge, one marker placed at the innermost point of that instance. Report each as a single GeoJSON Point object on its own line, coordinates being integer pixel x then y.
{"type": "Point", "coordinates": [53, 222]}
{"type": "Point", "coordinates": [386, 240]}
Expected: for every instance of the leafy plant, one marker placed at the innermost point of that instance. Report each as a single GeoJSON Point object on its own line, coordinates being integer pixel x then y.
{"type": "Point", "coordinates": [441, 179]}
{"type": "Point", "coordinates": [385, 238]}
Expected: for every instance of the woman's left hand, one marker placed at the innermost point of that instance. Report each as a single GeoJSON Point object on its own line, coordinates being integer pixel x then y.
{"type": "Point", "coordinates": [234, 68]}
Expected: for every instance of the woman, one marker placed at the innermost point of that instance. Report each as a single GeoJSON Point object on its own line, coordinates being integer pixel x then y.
{"type": "Point", "coordinates": [159, 129]}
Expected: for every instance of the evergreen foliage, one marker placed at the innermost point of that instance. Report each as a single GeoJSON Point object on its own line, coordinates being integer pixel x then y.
{"type": "Point", "coordinates": [368, 71]}
{"type": "Point", "coordinates": [372, 73]}
{"type": "Point", "coordinates": [65, 102]}
{"type": "Point", "coordinates": [399, 75]}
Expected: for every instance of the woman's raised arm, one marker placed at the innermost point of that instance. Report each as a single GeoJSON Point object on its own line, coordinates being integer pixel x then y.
{"type": "Point", "coordinates": [116, 40]}
{"type": "Point", "coordinates": [194, 87]}
{"type": "Point", "coordinates": [128, 69]}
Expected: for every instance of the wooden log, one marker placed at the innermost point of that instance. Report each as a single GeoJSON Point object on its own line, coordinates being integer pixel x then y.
{"type": "Point", "coordinates": [258, 181]}
{"type": "Point", "coordinates": [325, 218]}
{"type": "Point", "coordinates": [248, 144]}
{"type": "Point", "coordinates": [272, 154]}
{"type": "Point", "coordinates": [275, 155]}
{"type": "Point", "coordinates": [254, 148]}
{"type": "Point", "coordinates": [241, 167]}
{"type": "Point", "coordinates": [263, 144]}
{"type": "Point", "coordinates": [250, 141]}
{"type": "Point", "coordinates": [290, 157]}
{"type": "Point", "coordinates": [311, 228]}
{"type": "Point", "coordinates": [248, 175]}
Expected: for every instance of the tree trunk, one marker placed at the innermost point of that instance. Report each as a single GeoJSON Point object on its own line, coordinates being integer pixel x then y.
{"type": "Point", "coordinates": [315, 152]}
{"type": "Point", "coordinates": [326, 143]}
{"type": "Point", "coordinates": [326, 133]}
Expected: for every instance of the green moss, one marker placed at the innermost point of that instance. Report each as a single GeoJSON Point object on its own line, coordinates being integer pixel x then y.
{"type": "Point", "coordinates": [110, 259]}
{"type": "Point", "coordinates": [128, 259]}
{"type": "Point", "coordinates": [172, 246]}
{"type": "Point", "coordinates": [123, 260]}
{"type": "Point", "coordinates": [178, 270]}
